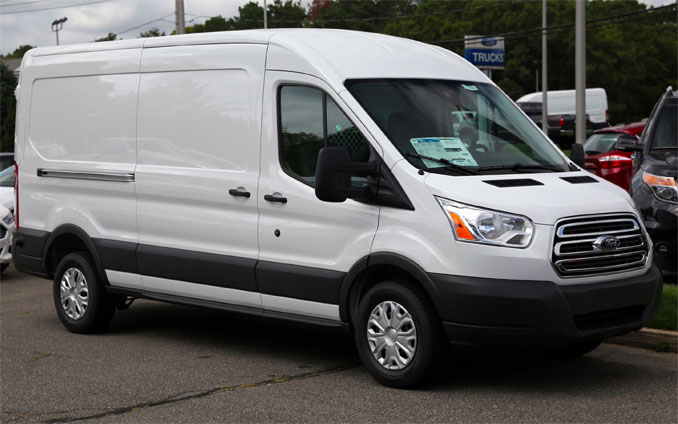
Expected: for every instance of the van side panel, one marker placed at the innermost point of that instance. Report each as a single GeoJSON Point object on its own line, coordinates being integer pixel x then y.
{"type": "Point", "coordinates": [80, 142]}
{"type": "Point", "coordinates": [198, 138]}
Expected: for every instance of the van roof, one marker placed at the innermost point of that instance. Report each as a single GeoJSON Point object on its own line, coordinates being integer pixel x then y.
{"type": "Point", "coordinates": [336, 55]}
{"type": "Point", "coordinates": [536, 97]}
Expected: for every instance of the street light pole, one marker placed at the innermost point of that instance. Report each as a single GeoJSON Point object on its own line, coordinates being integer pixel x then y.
{"type": "Point", "coordinates": [180, 26]}
{"type": "Point", "coordinates": [265, 16]}
{"type": "Point", "coordinates": [57, 26]}
{"type": "Point", "coordinates": [580, 71]}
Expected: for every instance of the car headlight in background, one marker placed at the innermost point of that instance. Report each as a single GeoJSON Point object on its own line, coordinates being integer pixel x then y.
{"type": "Point", "coordinates": [664, 188]}
{"type": "Point", "coordinates": [8, 219]}
{"type": "Point", "coordinates": [487, 226]}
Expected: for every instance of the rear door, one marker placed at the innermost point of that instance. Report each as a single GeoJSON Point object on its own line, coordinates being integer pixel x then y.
{"type": "Point", "coordinates": [306, 245]}
{"type": "Point", "coordinates": [198, 165]}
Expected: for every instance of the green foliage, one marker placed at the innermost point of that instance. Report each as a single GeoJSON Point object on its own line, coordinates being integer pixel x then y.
{"type": "Point", "coordinates": [8, 83]}
{"type": "Point", "coordinates": [19, 52]}
{"type": "Point", "coordinates": [667, 318]}
{"type": "Point", "coordinates": [109, 37]}
{"type": "Point", "coordinates": [153, 32]}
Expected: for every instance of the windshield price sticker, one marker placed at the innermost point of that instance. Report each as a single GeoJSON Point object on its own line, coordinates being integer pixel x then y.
{"type": "Point", "coordinates": [451, 149]}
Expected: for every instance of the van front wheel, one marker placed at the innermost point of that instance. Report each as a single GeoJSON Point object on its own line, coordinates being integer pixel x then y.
{"type": "Point", "coordinates": [81, 301]}
{"type": "Point", "coordinates": [398, 334]}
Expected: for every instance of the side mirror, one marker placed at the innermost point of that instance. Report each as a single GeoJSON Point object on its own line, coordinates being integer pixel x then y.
{"type": "Point", "coordinates": [332, 177]}
{"type": "Point", "coordinates": [628, 143]}
{"type": "Point", "coordinates": [577, 155]}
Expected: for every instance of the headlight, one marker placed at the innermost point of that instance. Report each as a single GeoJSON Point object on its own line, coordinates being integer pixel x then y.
{"type": "Point", "coordinates": [487, 226]}
{"type": "Point", "coordinates": [8, 219]}
{"type": "Point", "coordinates": [664, 188]}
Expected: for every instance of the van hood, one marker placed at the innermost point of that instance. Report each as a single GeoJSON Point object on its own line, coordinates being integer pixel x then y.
{"type": "Point", "coordinates": [545, 201]}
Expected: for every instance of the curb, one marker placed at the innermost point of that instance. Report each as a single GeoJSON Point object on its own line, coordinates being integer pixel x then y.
{"type": "Point", "coordinates": [649, 338]}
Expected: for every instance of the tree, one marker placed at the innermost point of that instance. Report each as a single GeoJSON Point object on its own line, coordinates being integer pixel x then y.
{"type": "Point", "coordinates": [19, 52]}
{"type": "Point", "coordinates": [109, 37]}
{"type": "Point", "coordinates": [153, 32]}
{"type": "Point", "coordinates": [8, 83]}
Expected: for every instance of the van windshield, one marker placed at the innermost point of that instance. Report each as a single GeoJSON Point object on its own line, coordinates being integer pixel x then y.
{"type": "Point", "coordinates": [456, 127]}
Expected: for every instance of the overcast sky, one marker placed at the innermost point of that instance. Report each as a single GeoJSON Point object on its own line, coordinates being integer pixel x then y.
{"type": "Point", "coordinates": [90, 19]}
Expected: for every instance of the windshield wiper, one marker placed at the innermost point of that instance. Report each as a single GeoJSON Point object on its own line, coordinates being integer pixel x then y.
{"type": "Point", "coordinates": [447, 163]}
{"type": "Point", "coordinates": [518, 166]}
{"type": "Point", "coordinates": [592, 152]}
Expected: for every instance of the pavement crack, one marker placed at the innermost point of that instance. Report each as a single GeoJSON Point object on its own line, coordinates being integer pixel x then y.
{"type": "Point", "coordinates": [183, 396]}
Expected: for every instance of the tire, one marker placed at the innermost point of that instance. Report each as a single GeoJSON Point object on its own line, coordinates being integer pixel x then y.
{"type": "Point", "coordinates": [576, 350]}
{"type": "Point", "coordinates": [3, 267]}
{"type": "Point", "coordinates": [76, 315]}
{"type": "Point", "coordinates": [408, 368]}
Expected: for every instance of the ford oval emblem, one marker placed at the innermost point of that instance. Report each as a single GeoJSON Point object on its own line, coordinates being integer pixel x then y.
{"type": "Point", "coordinates": [608, 242]}
{"type": "Point", "coordinates": [489, 41]}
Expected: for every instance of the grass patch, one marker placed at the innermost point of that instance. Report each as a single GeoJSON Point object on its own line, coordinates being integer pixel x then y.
{"type": "Point", "coordinates": [667, 318]}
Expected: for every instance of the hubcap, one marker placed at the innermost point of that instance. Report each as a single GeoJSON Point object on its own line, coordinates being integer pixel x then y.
{"type": "Point", "coordinates": [74, 293]}
{"type": "Point", "coordinates": [392, 335]}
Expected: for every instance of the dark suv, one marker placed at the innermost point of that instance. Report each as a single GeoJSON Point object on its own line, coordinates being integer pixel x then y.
{"type": "Point", "coordinates": [653, 185]}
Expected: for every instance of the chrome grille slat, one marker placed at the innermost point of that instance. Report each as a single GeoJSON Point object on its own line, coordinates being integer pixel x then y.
{"type": "Point", "coordinates": [558, 251]}
{"type": "Point", "coordinates": [561, 229]}
{"type": "Point", "coordinates": [574, 255]}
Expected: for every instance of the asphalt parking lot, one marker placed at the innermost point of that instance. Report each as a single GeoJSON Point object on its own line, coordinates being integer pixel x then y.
{"type": "Point", "coordinates": [167, 363]}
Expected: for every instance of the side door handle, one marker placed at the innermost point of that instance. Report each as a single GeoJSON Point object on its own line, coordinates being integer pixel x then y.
{"type": "Point", "coordinates": [239, 192]}
{"type": "Point", "coordinates": [276, 198]}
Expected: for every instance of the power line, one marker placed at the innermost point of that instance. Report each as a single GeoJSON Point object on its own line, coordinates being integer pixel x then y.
{"type": "Point", "coordinates": [145, 23]}
{"type": "Point", "coordinates": [56, 7]}
{"type": "Point", "coordinates": [25, 3]}
{"type": "Point", "coordinates": [553, 28]}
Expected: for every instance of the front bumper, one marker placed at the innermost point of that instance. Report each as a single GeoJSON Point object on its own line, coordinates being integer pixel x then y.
{"type": "Point", "coordinates": [540, 315]}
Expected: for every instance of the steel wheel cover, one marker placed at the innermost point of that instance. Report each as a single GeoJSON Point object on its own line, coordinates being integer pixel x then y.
{"type": "Point", "coordinates": [74, 293]}
{"type": "Point", "coordinates": [392, 335]}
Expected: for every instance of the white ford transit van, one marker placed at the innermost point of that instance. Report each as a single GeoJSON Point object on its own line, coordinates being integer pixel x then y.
{"type": "Point", "coordinates": [318, 175]}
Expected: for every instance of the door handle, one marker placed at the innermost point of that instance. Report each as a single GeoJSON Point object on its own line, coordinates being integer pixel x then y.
{"type": "Point", "coordinates": [239, 192]}
{"type": "Point", "coordinates": [276, 198]}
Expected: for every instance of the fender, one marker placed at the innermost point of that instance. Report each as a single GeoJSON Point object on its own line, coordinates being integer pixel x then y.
{"type": "Point", "coordinates": [78, 232]}
{"type": "Point", "coordinates": [391, 259]}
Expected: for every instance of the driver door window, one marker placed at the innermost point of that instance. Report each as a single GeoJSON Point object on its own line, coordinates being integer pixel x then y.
{"type": "Point", "coordinates": [310, 120]}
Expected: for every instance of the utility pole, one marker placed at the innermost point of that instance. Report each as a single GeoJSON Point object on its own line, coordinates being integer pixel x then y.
{"type": "Point", "coordinates": [265, 16]}
{"type": "Point", "coordinates": [57, 26]}
{"type": "Point", "coordinates": [180, 26]}
{"type": "Point", "coordinates": [544, 72]}
{"type": "Point", "coordinates": [580, 70]}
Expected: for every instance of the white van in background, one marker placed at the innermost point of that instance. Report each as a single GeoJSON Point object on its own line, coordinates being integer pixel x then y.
{"type": "Point", "coordinates": [323, 176]}
{"type": "Point", "coordinates": [562, 102]}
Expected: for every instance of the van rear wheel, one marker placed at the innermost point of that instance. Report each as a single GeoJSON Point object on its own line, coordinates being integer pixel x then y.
{"type": "Point", "coordinates": [81, 301]}
{"type": "Point", "coordinates": [398, 334]}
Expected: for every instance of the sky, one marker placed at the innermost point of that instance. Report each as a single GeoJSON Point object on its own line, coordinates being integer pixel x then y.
{"type": "Point", "coordinates": [26, 21]}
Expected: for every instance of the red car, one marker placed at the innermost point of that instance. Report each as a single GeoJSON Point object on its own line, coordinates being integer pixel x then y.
{"type": "Point", "coordinates": [605, 160]}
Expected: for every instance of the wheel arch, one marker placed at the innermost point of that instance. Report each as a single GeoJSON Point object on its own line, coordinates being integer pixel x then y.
{"type": "Point", "coordinates": [373, 268]}
{"type": "Point", "coordinates": [69, 238]}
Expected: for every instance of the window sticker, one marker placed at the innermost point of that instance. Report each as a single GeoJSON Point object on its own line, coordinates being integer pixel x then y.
{"type": "Point", "coordinates": [470, 87]}
{"type": "Point", "coordinates": [451, 149]}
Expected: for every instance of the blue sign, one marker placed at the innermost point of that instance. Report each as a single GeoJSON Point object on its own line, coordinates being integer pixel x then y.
{"type": "Point", "coordinates": [486, 58]}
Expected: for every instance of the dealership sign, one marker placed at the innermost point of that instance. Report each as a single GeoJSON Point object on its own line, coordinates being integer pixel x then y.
{"type": "Point", "coordinates": [484, 52]}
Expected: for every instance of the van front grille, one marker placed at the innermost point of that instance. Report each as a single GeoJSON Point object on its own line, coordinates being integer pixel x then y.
{"type": "Point", "coordinates": [598, 244]}
{"type": "Point", "coordinates": [3, 232]}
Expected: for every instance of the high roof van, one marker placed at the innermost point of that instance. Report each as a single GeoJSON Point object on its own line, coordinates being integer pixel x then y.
{"type": "Point", "coordinates": [323, 176]}
{"type": "Point", "coordinates": [562, 102]}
